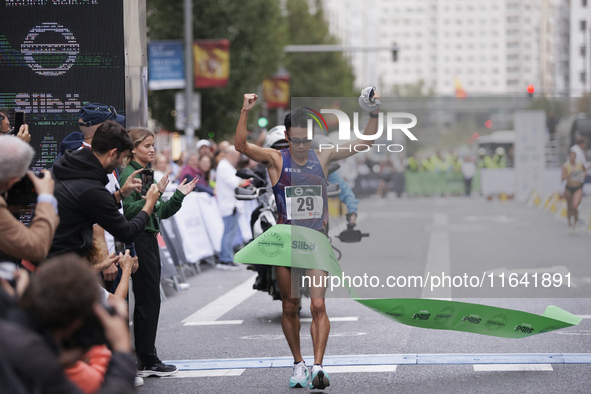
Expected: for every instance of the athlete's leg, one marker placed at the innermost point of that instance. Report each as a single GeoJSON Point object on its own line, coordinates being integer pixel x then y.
{"type": "Point", "coordinates": [569, 204]}
{"type": "Point", "coordinates": [320, 327]}
{"type": "Point", "coordinates": [290, 322]}
{"type": "Point", "coordinates": [576, 201]}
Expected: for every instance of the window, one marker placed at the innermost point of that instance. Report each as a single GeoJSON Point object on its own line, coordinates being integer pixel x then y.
{"type": "Point", "coordinates": [512, 19]}
{"type": "Point", "coordinates": [511, 82]}
{"type": "Point", "coordinates": [512, 69]}
{"type": "Point", "coordinates": [583, 51]}
{"type": "Point", "coordinates": [584, 3]}
{"type": "Point", "coordinates": [583, 77]}
{"type": "Point", "coordinates": [583, 25]}
{"type": "Point", "coordinates": [512, 57]}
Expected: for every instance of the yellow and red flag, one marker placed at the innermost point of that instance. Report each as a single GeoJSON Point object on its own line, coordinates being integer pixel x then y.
{"type": "Point", "coordinates": [460, 92]}
{"type": "Point", "coordinates": [276, 91]}
{"type": "Point", "coordinates": [211, 63]}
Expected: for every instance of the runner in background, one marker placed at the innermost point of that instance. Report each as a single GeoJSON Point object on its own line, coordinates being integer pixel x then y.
{"type": "Point", "coordinates": [574, 173]}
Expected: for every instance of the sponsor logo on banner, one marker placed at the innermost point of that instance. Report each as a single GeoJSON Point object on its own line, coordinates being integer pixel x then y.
{"type": "Point", "coordinates": [444, 315]}
{"type": "Point", "coordinates": [496, 322]}
{"type": "Point", "coordinates": [524, 328]}
{"type": "Point", "coordinates": [398, 311]}
{"type": "Point", "coordinates": [422, 315]}
{"type": "Point", "coordinates": [270, 244]}
{"type": "Point", "coordinates": [472, 319]}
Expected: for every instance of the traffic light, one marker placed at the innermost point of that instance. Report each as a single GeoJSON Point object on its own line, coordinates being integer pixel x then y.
{"type": "Point", "coordinates": [530, 90]}
{"type": "Point", "coordinates": [263, 122]}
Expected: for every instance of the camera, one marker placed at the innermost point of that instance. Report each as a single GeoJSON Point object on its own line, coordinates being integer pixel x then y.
{"type": "Point", "coordinates": [91, 332]}
{"type": "Point", "coordinates": [23, 192]}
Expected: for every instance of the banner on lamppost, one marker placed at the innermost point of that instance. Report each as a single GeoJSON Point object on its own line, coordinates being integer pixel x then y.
{"type": "Point", "coordinates": [166, 65]}
{"type": "Point", "coordinates": [276, 91]}
{"type": "Point", "coordinates": [211, 63]}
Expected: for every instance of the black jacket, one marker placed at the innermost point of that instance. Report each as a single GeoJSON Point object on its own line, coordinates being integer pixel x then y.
{"type": "Point", "coordinates": [83, 201]}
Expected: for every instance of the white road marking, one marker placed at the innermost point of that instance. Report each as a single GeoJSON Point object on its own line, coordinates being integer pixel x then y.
{"type": "Point", "coordinates": [360, 368]}
{"type": "Point", "coordinates": [213, 323]}
{"type": "Point", "coordinates": [491, 218]}
{"type": "Point", "coordinates": [332, 319]}
{"type": "Point", "coordinates": [220, 306]}
{"type": "Point", "coordinates": [512, 367]}
{"type": "Point", "coordinates": [204, 373]}
{"type": "Point", "coordinates": [584, 316]}
{"type": "Point", "coordinates": [438, 259]}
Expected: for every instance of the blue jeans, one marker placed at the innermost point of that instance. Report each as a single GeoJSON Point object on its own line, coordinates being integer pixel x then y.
{"type": "Point", "coordinates": [230, 229]}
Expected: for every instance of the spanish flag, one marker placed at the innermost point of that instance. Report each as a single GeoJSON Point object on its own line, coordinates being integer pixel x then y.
{"type": "Point", "coordinates": [460, 92]}
{"type": "Point", "coordinates": [211, 63]}
{"type": "Point", "coordinates": [276, 91]}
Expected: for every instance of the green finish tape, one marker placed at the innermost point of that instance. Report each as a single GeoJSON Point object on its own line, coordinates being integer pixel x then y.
{"type": "Point", "coordinates": [474, 318]}
{"type": "Point", "coordinates": [301, 247]}
{"type": "Point", "coordinates": [291, 246]}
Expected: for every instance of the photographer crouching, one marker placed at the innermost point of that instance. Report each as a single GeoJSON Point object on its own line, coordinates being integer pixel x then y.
{"type": "Point", "coordinates": [17, 240]}
{"type": "Point", "coordinates": [58, 318]}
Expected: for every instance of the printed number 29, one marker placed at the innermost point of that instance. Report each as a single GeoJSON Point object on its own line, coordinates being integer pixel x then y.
{"type": "Point", "coordinates": [308, 201]}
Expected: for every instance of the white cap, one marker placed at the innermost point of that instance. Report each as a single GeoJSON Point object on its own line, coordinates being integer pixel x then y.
{"type": "Point", "coordinates": [203, 143]}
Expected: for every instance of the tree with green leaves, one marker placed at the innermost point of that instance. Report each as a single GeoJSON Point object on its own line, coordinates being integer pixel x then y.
{"type": "Point", "coordinates": [257, 31]}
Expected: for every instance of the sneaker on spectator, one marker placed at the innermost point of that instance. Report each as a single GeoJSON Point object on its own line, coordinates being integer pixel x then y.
{"type": "Point", "coordinates": [158, 369]}
{"type": "Point", "coordinates": [137, 382]}
{"type": "Point", "coordinates": [229, 266]}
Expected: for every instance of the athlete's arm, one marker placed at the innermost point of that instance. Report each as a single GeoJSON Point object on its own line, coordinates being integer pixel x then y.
{"type": "Point", "coordinates": [564, 175]}
{"type": "Point", "coordinates": [348, 149]}
{"type": "Point", "coordinates": [269, 157]}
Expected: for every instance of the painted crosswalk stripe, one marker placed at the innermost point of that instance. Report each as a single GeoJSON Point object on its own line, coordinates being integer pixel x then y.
{"type": "Point", "coordinates": [213, 323]}
{"type": "Point", "coordinates": [205, 373]}
{"type": "Point", "coordinates": [220, 306]}
{"type": "Point", "coordinates": [332, 319]}
{"type": "Point", "coordinates": [512, 367]}
{"type": "Point", "coordinates": [360, 368]}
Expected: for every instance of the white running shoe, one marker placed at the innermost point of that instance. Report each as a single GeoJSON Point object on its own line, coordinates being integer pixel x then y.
{"type": "Point", "coordinates": [300, 376]}
{"type": "Point", "coordinates": [320, 379]}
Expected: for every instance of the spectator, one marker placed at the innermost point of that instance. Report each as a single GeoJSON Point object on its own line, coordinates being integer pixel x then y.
{"type": "Point", "coordinates": [161, 168]}
{"type": "Point", "coordinates": [174, 168]}
{"type": "Point", "coordinates": [468, 170]}
{"type": "Point", "coordinates": [33, 242]}
{"type": "Point", "coordinates": [204, 148]}
{"type": "Point", "coordinates": [192, 171]}
{"type": "Point", "coordinates": [40, 339]}
{"type": "Point", "coordinates": [90, 118]}
{"type": "Point", "coordinates": [204, 175]}
{"type": "Point", "coordinates": [189, 171]}
{"type": "Point", "coordinates": [81, 177]}
{"type": "Point", "coordinates": [226, 182]}
{"type": "Point", "coordinates": [23, 132]}
{"type": "Point", "coordinates": [146, 281]}
{"type": "Point", "coordinates": [89, 372]}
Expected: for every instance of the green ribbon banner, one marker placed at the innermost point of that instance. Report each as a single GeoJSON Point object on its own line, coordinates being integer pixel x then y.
{"type": "Point", "coordinates": [301, 247]}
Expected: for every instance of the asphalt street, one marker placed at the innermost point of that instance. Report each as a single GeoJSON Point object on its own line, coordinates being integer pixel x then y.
{"type": "Point", "coordinates": [220, 318]}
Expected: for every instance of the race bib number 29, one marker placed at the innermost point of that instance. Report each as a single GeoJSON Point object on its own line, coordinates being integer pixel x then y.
{"type": "Point", "coordinates": [304, 202]}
